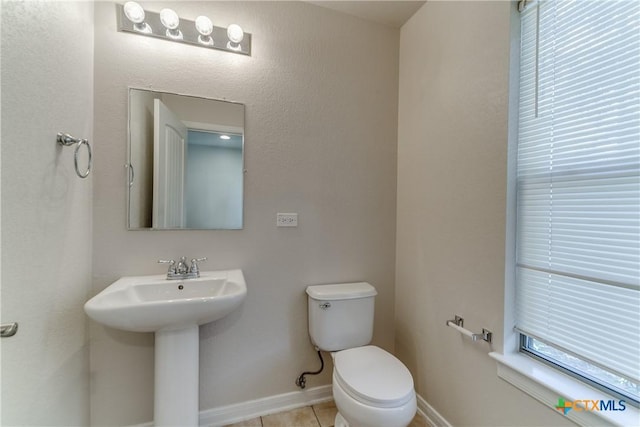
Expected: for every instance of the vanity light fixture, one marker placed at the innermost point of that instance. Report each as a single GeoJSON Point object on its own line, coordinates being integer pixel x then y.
{"type": "Point", "coordinates": [168, 25]}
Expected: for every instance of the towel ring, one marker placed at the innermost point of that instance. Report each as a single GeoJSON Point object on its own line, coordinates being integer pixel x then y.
{"type": "Point", "coordinates": [67, 140]}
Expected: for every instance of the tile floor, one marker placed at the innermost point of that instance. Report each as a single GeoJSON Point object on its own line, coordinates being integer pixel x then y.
{"type": "Point", "coordinates": [320, 415]}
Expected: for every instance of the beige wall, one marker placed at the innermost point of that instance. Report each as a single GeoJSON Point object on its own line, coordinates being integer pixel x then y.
{"type": "Point", "coordinates": [320, 91]}
{"type": "Point", "coordinates": [47, 87]}
{"type": "Point", "coordinates": [452, 171]}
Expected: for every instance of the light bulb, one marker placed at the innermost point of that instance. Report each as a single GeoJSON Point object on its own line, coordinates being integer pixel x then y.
{"type": "Point", "coordinates": [170, 20]}
{"type": "Point", "coordinates": [235, 33]}
{"type": "Point", "coordinates": [205, 27]}
{"type": "Point", "coordinates": [134, 12]}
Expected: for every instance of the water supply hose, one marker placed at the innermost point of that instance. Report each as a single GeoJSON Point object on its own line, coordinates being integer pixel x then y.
{"type": "Point", "coordinates": [301, 381]}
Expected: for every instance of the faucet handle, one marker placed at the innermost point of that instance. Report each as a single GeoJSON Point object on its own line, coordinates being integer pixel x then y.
{"type": "Point", "coordinates": [172, 264]}
{"type": "Point", "coordinates": [194, 265]}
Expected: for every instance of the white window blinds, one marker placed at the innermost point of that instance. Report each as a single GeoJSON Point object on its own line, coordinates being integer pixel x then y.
{"type": "Point", "coordinates": [578, 215]}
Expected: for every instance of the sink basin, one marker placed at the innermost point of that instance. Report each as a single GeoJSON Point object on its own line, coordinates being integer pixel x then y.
{"type": "Point", "coordinates": [153, 303]}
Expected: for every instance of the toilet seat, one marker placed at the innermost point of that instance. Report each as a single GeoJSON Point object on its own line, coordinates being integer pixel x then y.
{"type": "Point", "coordinates": [374, 377]}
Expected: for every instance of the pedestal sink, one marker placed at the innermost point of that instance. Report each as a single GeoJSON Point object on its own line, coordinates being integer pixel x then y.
{"type": "Point", "coordinates": [173, 310]}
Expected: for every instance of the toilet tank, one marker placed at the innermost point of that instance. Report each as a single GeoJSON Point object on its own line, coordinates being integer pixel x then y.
{"type": "Point", "coordinates": [341, 315]}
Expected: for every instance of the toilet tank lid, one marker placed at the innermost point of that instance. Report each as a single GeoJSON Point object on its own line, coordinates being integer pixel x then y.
{"type": "Point", "coordinates": [341, 291]}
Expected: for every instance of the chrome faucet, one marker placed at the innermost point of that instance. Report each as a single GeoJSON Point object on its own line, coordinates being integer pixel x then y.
{"type": "Point", "coordinates": [181, 268]}
{"type": "Point", "coordinates": [181, 271]}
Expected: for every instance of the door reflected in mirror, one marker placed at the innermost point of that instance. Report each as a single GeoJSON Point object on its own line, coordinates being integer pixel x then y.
{"type": "Point", "coordinates": [186, 162]}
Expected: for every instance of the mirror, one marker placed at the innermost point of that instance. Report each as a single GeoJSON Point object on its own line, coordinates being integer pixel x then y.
{"type": "Point", "coordinates": [186, 162]}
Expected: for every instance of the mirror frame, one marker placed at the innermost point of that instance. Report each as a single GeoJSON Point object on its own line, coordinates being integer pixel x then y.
{"type": "Point", "coordinates": [128, 162]}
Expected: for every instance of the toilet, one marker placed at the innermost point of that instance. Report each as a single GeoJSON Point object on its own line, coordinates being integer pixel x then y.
{"type": "Point", "coordinates": [371, 387]}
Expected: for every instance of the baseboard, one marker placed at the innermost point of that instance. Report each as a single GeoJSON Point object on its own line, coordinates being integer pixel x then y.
{"type": "Point", "coordinates": [287, 401]}
{"type": "Point", "coordinates": [268, 405]}
{"type": "Point", "coordinates": [432, 416]}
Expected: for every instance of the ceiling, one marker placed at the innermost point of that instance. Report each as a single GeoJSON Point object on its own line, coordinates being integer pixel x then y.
{"type": "Point", "coordinates": [390, 13]}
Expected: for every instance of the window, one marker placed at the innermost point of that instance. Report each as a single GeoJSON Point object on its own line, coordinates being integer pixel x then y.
{"type": "Point", "coordinates": [578, 189]}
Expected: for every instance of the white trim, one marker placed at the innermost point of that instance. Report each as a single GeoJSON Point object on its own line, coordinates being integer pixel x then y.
{"type": "Point", "coordinates": [432, 416]}
{"type": "Point", "coordinates": [547, 384]}
{"type": "Point", "coordinates": [243, 411]}
{"type": "Point", "coordinates": [268, 405]}
{"type": "Point", "coordinates": [285, 402]}
{"type": "Point", "coordinates": [213, 127]}
{"type": "Point", "coordinates": [511, 341]}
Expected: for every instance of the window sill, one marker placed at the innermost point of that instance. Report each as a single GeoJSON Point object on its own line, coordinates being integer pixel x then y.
{"type": "Point", "coordinates": [546, 385]}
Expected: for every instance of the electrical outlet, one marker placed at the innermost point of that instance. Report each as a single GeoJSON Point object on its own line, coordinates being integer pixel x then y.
{"type": "Point", "coordinates": [287, 219]}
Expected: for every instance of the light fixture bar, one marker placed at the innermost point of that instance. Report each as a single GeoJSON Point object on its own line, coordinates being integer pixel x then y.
{"type": "Point", "coordinates": [154, 28]}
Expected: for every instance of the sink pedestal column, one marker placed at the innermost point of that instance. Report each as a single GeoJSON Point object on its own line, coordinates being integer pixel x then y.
{"type": "Point", "coordinates": [176, 377]}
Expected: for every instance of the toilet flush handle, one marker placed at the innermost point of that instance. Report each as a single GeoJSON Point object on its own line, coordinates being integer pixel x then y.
{"type": "Point", "coordinates": [325, 305]}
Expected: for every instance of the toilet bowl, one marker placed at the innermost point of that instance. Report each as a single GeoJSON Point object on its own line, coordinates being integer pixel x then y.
{"type": "Point", "coordinates": [371, 387]}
